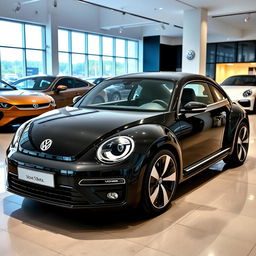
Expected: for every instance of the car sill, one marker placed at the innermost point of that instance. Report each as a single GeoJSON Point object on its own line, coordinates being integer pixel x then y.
{"type": "Point", "coordinates": [209, 159]}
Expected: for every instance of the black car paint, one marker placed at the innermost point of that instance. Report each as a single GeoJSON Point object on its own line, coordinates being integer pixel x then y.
{"type": "Point", "coordinates": [151, 131]}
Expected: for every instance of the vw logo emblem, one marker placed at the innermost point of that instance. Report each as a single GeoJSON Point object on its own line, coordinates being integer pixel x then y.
{"type": "Point", "coordinates": [35, 105]}
{"type": "Point", "coordinates": [46, 144]}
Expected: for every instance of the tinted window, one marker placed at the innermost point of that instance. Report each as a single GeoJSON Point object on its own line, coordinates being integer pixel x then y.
{"type": "Point", "coordinates": [199, 92]}
{"type": "Point", "coordinates": [139, 95]}
{"type": "Point", "coordinates": [34, 83]}
{"type": "Point", "coordinates": [240, 81]}
{"type": "Point", "coordinates": [79, 84]}
{"type": "Point", "coordinates": [226, 52]}
{"type": "Point", "coordinates": [69, 82]}
{"type": "Point", "coordinates": [4, 86]}
{"type": "Point", "coordinates": [211, 53]}
{"type": "Point", "coordinates": [246, 51]}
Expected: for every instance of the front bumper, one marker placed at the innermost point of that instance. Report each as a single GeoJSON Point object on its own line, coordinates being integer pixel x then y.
{"type": "Point", "coordinates": [246, 103]}
{"type": "Point", "coordinates": [14, 114]}
{"type": "Point", "coordinates": [68, 191]}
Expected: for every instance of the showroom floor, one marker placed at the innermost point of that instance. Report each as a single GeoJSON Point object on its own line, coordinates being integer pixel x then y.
{"type": "Point", "coordinates": [213, 214]}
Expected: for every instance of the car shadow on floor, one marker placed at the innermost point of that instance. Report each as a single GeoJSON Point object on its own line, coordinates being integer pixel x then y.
{"type": "Point", "coordinates": [75, 223]}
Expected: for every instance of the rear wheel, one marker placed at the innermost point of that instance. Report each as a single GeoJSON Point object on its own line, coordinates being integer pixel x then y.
{"type": "Point", "coordinates": [159, 183]}
{"type": "Point", "coordinates": [115, 96]}
{"type": "Point", "coordinates": [241, 147]}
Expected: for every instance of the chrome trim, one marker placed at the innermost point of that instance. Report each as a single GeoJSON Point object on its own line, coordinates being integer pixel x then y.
{"type": "Point", "coordinates": [33, 108]}
{"type": "Point", "coordinates": [120, 181]}
{"type": "Point", "coordinates": [206, 160]}
{"type": "Point", "coordinates": [102, 159]}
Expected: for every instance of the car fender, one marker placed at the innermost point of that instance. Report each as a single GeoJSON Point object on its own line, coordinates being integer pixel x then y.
{"type": "Point", "coordinates": [236, 117]}
{"type": "Point", "coordinates": [149, 139]}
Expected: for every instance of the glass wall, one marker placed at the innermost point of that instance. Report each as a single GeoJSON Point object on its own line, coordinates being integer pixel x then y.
{"type": "Point", "coordinates": [90, 55]}
{"type": "Point", "coordinates": [22, 50]}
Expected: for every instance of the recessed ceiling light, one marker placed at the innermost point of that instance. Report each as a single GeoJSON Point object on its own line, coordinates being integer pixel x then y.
{"type": "Point", "coordinates": [158, 9]}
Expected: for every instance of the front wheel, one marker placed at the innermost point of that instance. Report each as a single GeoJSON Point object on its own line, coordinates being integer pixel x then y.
{"type": "Point", "coordinates": [241, 147]}
{"type": "Point", "coordinates": [159, 183]}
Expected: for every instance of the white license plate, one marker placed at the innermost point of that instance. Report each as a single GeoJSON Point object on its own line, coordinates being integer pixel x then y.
{"type": "Point", "coordinates": [42, 178]}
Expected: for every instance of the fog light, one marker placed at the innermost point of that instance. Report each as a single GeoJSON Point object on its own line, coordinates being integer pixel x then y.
{"type": "Point", "coordinates": [112, 195]}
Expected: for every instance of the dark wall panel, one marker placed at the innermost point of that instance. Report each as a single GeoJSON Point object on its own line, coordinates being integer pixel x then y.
{"type": "Point", "coordinates": [151, 53]}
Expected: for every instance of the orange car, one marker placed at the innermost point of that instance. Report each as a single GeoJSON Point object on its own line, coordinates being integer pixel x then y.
{"type": "Point", "coordinates": [17, 105]}
{"type": "Point", "coordinates": [62, 88]}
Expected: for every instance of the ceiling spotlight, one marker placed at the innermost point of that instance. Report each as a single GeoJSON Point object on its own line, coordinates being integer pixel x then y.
{"type": "Point", "coordinates": [158, 9]}
{"type": "Point", "coordinates": [163, 27]}
{"type": "Point", "coordinates": [121, 30]}
{"type": "Point", "coordinates": [247, 18]}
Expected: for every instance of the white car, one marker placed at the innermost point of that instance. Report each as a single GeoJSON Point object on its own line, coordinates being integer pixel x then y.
{"type": "Point", "coordinates": [242, 90]}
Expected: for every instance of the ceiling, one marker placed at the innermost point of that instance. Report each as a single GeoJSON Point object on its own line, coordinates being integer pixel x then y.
{"type": "Point", "coordinates": [171, 11]}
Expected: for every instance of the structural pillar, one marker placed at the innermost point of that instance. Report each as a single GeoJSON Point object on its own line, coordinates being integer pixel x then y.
{"type": "Point", "coordinates": [194, 41]}
{"type": "Point", "coordinates": [52, 58]}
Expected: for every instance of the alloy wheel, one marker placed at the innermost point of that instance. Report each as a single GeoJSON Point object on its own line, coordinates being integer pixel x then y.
{"type": "Point", "coordinates": [242, 143]}
{"type": "Point", "coordinates": [162, 181]}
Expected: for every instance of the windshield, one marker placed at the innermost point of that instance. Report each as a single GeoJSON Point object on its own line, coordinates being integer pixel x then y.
{"type": "Point", "coordinates": [129, 94]}
{"type": "Point", "coordinates": [240, 81]}
{"type": "Point", "coordinates": [5, 87]}
{"type": "Point", "coordinates": [34, 83]}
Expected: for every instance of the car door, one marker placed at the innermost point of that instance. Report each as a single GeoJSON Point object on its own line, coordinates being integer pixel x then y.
{"type": "Point", "coordinates": [81, 87]}
{"type": "Point", "coordinates": [201, 131]}
{"type": "Point", "coordinates": [65, 97]}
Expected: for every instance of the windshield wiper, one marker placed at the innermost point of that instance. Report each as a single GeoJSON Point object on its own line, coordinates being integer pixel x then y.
{"type": "Point", "coordinates": [12, 86]}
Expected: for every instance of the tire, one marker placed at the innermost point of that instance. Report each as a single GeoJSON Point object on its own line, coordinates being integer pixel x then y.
{"type": "Point", "coordinates": [115, 96]}
{"type": "Point", "coordinates": [241, 147]}
{"type": "Point", "coordinates": [159, 183]}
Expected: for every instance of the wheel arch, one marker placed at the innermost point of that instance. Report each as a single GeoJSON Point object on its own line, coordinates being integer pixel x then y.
{"type": "Point", "coordinates": [243, 120]}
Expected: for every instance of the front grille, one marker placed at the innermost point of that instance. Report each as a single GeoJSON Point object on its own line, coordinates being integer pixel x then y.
{"type": "Point", "coordinates": [48, 156]}
{"type": "Point", "coordinates": [62, 195]}
{"type": "Point", "coordinates": [245, 104]}
{"type": "Point", "coordinates": [31, 106]}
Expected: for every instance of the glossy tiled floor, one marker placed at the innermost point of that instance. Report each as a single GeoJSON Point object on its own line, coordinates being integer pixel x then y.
{"type": "Point", "coordinates": [213, 214]}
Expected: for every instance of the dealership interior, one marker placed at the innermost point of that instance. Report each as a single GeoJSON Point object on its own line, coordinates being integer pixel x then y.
{"type": "Point", "coordinates": [211, 214]}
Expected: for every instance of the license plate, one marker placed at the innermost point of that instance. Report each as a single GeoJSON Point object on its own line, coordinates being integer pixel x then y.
{"type": "Point", "coordinates": [41, 178]}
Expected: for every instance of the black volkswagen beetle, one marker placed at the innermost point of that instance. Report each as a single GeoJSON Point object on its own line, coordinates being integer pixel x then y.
{"type": "Point", "coordinates": [132, 151]}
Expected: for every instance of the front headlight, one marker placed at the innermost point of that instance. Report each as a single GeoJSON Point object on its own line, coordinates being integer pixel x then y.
{"type": "Point", "coordinates": [5, 105]}
{"type": "Point", "coordinates": [247, 93]}
{"type": "Point", "coordinates": [52, 101]}
{"type": "Point", "coordinates": [115, 149]}
{"type": "Point", "coordinates": [19, 132]}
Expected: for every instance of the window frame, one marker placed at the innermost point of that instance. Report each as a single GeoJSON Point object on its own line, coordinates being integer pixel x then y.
{"type": "Point", "coordinates": [101, 54]}
{"type": "Point", "coordinates": [24, 47]}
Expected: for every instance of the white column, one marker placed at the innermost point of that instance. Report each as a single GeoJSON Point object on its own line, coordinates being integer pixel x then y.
{"type": "Point", "coordinates": [52, 59]}
{"type": "Point", "coordinates": [195, 40]}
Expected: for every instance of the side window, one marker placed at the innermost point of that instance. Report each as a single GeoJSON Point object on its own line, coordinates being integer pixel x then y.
{"type": "Point", "coordinates": [79, 84]}
{"type": "Point", "coordinates": [199, 92]}
{"type": "Point", "coordinates": [218, 96]}
{"type": "Point", "coordinates": [137, 92]}
{"type": "Point", "coordinates": [69, 82]}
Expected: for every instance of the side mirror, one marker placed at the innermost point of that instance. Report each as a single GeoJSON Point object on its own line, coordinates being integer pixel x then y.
{"type": "Point", "coordinates": [194, 107]}
{"type": "Point", "coordinates": [61, 88]}
{"type": "Point", "coordinates": [76, 99]}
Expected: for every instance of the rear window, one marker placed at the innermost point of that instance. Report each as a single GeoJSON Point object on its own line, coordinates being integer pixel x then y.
{"type": "Point", "coordinates": [240, 81]}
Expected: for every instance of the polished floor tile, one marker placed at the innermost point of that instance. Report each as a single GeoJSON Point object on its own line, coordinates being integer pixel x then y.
{"type": "Point", "coordinates": [213, 214]}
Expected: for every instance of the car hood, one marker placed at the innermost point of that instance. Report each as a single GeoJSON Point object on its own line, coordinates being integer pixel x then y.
{"type": "Point", "coordinates": [19, 97]}
{"type": "Point", "coordinates": [236, 92]}
{"type": "Point", "coordinates": [74, 130]}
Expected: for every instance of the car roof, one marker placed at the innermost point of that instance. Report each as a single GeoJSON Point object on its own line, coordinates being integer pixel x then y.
{"type": "Point", "coordinates": [173, 76]}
